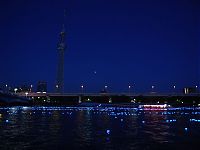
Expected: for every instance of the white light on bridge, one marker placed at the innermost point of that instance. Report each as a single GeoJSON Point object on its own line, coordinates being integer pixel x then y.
{"type": "Point", "coordinates": [26, 94]}
{"type": "Point", "coordinates": [15, 90]}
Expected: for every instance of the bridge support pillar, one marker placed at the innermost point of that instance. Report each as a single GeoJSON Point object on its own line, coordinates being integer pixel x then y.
{"type": "Point", "coordinates": [79, 99]}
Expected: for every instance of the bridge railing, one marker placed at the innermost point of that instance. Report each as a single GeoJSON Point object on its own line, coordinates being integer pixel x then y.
{"type": "Point", "coordinates": [32, 94]}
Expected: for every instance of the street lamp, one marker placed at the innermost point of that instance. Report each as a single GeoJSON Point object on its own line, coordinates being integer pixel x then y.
{"type": "Point", "coordinates": [152, 87]}
{"type": "Point", "coordinates": [15, 90]}
{"type": "Point", "coordinates": [56, 86]}
{"type": "Point", "coordinates": [196, 88]}
{"type": "Point", "coordinates": [129, 89]}
{"type": "Point", "coordinates": [174, 87]}
{"type": "Point", "coordinates": [82, 88]}
{"type": "Point", "coordinates": [105, 88]}
{"type": "Point", "coordinates": [31, 88]}
{"type": "Point", "coordinates": [26, 93]}
{"type": "Point", "coordinates": [6, 87]}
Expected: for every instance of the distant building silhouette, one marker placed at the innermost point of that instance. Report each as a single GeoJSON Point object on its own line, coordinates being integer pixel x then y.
{"type": "Point", "coordinates": [42, 86]}
{"type": "Point", "coordinates": [60, 72]}
{"type": "Point", "coordinates": [188, 90]}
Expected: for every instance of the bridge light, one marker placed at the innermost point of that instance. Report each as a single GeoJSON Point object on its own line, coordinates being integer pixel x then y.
{"type": "Point", "coordinates": [82, 88]}
{"type": "Point", "coordinates": [15, 90]}
{"type": "Point", "coordinates": [26, 94]}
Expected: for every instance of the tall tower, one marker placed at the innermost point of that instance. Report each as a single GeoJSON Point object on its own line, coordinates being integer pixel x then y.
{"type": "Point", "coordinates": [60, 72]}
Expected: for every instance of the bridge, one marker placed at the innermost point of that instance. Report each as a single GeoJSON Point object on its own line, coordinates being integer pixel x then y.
{"type": "Point", "coordinates": [153, 94]}
{"type": "Point", "coordinates": [115, 98]}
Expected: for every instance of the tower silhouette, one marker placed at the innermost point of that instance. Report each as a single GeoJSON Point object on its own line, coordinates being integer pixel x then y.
{"type": "Point", "coordinates": [61, 50]}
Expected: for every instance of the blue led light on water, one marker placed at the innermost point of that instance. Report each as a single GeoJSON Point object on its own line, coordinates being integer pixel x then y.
{"type": "Point", "coordinates": [108, 131]}
{"type": "Point", "coordinates": [194, 120]}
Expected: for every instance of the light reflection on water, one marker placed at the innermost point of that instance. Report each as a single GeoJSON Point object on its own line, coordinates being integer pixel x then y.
{"type": "Point", "coordinates": [98, 128]}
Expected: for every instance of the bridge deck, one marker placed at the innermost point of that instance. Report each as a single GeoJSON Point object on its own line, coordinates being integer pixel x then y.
{"type": "Point", "coordinates": [107, 94]}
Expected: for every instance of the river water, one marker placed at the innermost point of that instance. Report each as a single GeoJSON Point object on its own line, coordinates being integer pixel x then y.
{"type": "Point", "coordinates": [47, 128]}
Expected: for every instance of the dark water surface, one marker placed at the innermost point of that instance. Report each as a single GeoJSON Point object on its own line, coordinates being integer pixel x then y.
{"type": "Point", "coordinates": [49, 128]}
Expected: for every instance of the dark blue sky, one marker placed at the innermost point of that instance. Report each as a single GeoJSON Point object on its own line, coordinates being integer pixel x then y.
{"type": "Point", "coordinates": [136, 42]}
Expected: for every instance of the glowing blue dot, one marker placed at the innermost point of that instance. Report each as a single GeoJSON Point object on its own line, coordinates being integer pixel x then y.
{"type": "Point", "coordinates": [121, 119]}
{"type": "Point", "coordinates": [186, 129]}
{"type": "Point", "coordinates": [108, 131]}
{"type": "Point", "coordinates": [7, 121]}
{"type": "Point", "coordinates": [143, 121]}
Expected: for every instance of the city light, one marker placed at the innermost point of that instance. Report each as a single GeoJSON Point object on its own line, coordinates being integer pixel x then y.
{"type": "Point", "coordinates": [108, 131]}
{"type": "Point", "coordinates": [26, 93]}
{"type": "Point", "coordinates": [82, 88]}
{"type": "Point", "coordinates": [15, 90]}
{"type": "Point", "coordinates": [129, 89]}
{"type": "Point", "coordinates": [31, 88]}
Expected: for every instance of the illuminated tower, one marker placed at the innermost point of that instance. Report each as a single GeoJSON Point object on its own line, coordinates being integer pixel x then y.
{"type": "Point", "coordinates": [60, 72]}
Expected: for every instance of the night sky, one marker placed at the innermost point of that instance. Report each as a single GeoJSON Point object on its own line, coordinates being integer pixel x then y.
{"type": "Point", "coordinates": [109, 42]}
